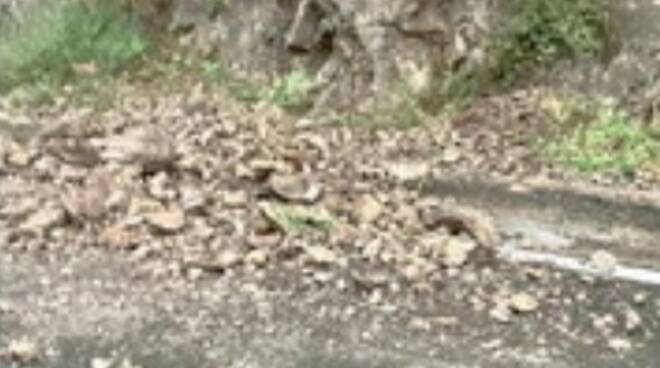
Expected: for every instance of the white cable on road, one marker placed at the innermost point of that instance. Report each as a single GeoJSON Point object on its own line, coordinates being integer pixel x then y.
{"type": "Point", "coordinates": [620, 272]}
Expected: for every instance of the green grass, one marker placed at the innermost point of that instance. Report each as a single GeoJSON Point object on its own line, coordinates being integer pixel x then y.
{"type": "Point", "coordinates": [610, 141]}
{"type": "Point", "coordinates": [532, 36]}
{"type": "Point", "coordinates": [64, 33]}
{"type": "Point", "coordinates": [241, 89]}
{"type": "Point", "coordinates": [291, 91]}
{"type": "Point", "coordinates": [537, 33]}
{"type": "Point", "coordinates": [400, 113]}
{"type": "Point", "coordinates": [452, 93]}
{"type": "Point", "coordinates": [293, 219]}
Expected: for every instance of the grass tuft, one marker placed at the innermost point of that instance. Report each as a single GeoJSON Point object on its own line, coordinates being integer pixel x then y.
{"type": "Point", "coordinates": [60, 35]}
{"type": "Point", "coordinates": [540, 32]}
{"type": "Point", "coordinates": [291, 91]}
{"type": "Point", "coordinates": [604, 141]}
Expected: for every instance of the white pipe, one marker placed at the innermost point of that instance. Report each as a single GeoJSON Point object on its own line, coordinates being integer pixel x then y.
{"type": "Point", "coordinates": [633, 274]}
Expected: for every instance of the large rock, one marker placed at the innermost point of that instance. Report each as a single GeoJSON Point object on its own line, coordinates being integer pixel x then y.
{"type": "Point", "coordinates": [364, 48]}
{"type": "Point", "coordinates": [352, 49]}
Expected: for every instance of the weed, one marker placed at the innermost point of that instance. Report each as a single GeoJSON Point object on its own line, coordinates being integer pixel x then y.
{"type": "Point", "coordinates": [212, 71]}
{"type": "Point", "coordinates": [611, 141]}
{"type": "Point", "coordinates": [57, 36]}
{"type": "Point", "coordinates": [539, 32]}
{"type": "Point", "coordinates": [452, 93]}
{"type": "Point", "coordinates": [239, 88]}
{"type": "Point", "coordinates": [399, 115]}
{"type": "Point", "coordinates": [292, 91]}
{"type": "Point", "coordinates": [402, 110]}
{"type": "Point", "coordinates": [299, 219]}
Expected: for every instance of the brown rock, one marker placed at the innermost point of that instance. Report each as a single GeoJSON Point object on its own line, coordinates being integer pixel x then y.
{"type": "Point", "coordinates": [604, 262]}
{"type": "Point", "coordinates": [257, 257]}
{"type": "Point", "coordinates": [295, 188]}
{"type": "Point", "coordinates": [140, 206]}
{"type": "Point", "coordinates": [523, 303]}
{"type": "Point", "coordinates": [88, 202]}
{"type": "Point", "coordinates": [417, 271]}
{"type": "Point", "coordinates": [193, 199]}
{"type": "Point", "coordinates": [633, 320]}
{"type": "Point", "coordinates": [161, 187]}
{"type": "Point", "coordinates": [460, 219]}
{"type": "Point", "coordinates": [408, 171]}
{"type": "Point", "coordinates": [74, 152]}
{"type": "Point", "coordinates": [235, 199]}
{"type": "Point", "coordinates": [149, 147]}
{"type": "Point", "coordinates": [229, 258]}
{"type": "Point", "coordinates": [118, 237]}
{"type": "Point", "coordinates": [501, 313]}
{"type": "Point", "coordinates": [369, 209]}
{"type": "Point", "coordinates": [407, 216]}
{"type": "Point", "coordinates": [321, 255]}
{"type": "Point", "coordinates": [261, 169]}
{"type": "Point", "coordinates": [243, 171]}
{"type": "Point", "coordinates": [620, 345]}
{"type": "Point", "coordinates": [170, 220]}
{"type": "Point", "coordinates": [22, 350]}
{"type": "Point", "coordinates": [19, 156]}
{"type": "Point", "coordinates": [101, 363]}
{"type": "Point", "coordinates": [451, 155]}
{"type": "Point", "coordinates": [456, 251]}
{"type": "Point", "coordinates": [45, 219]}
{"type": "Point", "coordinates": [267, 240]}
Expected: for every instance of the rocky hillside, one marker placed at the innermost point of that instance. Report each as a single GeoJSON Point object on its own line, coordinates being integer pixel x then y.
{"type": "Point", "coordinates": [359, 49]}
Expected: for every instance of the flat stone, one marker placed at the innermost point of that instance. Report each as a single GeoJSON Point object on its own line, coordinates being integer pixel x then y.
{"type": "Point", "coordinates": [369, 209]}
{"type": "Point", "coordinates": [523, 303]}
{"type": "Point", "coordinates": [457, 251]}
{"type": "Point", "coordinates": [45, 219]}
{"type": "Point", "coordinates": [170, 220]}
{"type": "Point", "coordinates": [296, 188]}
